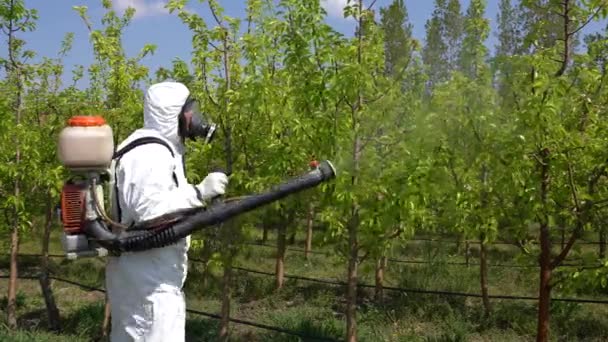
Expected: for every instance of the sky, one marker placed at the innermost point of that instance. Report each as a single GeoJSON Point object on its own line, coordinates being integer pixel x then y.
{"type": "Point", "coordinates": [153, 24]}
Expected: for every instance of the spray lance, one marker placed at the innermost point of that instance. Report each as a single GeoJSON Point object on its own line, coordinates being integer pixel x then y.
{"type": "Point", "coordinates": [86, 149]}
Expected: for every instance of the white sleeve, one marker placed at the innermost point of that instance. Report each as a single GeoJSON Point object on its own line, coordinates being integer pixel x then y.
{"type": "Point", "coordinates": [148, 186]}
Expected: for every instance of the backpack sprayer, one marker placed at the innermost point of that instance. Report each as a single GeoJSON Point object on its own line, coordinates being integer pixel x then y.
{"type": "Point", "coordinates": [86, 149]}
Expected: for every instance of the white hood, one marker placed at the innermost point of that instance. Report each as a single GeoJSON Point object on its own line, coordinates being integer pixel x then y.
{"type": "Point", "coordinates": [162, 105]}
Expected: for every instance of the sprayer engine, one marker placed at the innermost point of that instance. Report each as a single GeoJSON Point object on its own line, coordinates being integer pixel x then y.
{"type": "Point", "coordinates": [86, 148]}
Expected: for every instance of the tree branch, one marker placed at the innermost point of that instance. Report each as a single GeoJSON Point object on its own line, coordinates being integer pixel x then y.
{"type": "Point", "coordinates": [573, 187]}
{"type": "Point", "coordinates": [213, 12]}
{"type": "Point", "coordinates": [566, 54]}
{"type": "Point", "coordinates": [206, 84]}
{"type": "Point", "coordinates": [597, 11]}
{"type": "Point", "coordinates": [371, 5]}
{"type": "Point", "coordinates": [575, 235]}
{"type": "Point", "coordinates": [214, 46]}
{"type": "Point", "coordinates": [11, 52]}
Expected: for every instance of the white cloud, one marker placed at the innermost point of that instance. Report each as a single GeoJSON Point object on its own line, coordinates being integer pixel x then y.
{"type": "Point", "coordinates": [334, 8]}
{"type": "Point", "coordinates": [143, 8]}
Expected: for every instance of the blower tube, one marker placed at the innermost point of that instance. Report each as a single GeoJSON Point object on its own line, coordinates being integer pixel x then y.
{"type": "Point", "coordinates": [140, 240]}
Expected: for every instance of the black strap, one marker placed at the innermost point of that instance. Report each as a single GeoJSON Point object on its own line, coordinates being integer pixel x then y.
{"type": "Point", "coordinates": [141, 141]}
{"type": "Point", "coordinates": [133, 144]}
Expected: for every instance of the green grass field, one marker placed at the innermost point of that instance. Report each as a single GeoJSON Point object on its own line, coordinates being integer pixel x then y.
{"type": "Point", "coordinates": [318, 309]}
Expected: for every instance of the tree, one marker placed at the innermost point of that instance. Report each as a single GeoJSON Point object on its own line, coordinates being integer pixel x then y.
{"type": "Point", "coordinates": [473, 66]}
{"type": "Point", "coordinates": [509, 29]}
{"type": "Point", "coordinates": [453, 29]}
{"type": "Point", "coordinates": [510, 38]}
{"type": "Point", "coordinates": [476, 30]}
{"type": "Point", "coordinates": [597, 49]}
{"type": "Point", "coordinates": [397, 36]}
{"type": "Point", "coordinates": [14, 19]}
{"type": "Point", "coordinates": [357, 88]}
{"type": "Point", "coordinates": [467, 126]}
{"type": "Point", "coordinates": [435, 49]}
{"type": "Point", "coordinates": [559, 130]}
{"type": "Point", "coordinates": [207, 56]}
{"type": "Point", "coordinates": [49, 108]}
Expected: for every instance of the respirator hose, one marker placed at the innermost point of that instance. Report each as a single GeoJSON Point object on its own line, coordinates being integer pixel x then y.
{"type": "Point", "coordinates": [140, 240]}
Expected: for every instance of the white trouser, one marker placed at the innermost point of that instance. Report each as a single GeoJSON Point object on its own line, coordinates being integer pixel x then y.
{"type": "Point", "coordinates": [160, 317]}
{"type": "Point", "coordinates": [146, 300]}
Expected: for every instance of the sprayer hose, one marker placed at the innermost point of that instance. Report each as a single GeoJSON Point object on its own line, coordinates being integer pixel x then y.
{"type": "Point", "coordinates": [158, 223]}
{"type": "Point", "coordinates": [197, 218]}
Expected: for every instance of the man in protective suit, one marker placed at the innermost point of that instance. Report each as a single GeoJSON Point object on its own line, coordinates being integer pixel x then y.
{"type": "Point", "coordinates": [145, 288]}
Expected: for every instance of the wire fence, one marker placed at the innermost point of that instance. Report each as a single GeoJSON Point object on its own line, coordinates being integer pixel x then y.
{"type": "Point", "coordinates": [395, 260]}
{"type": "Point", "coordinates": [336, 283]}
{"type": "Point", "coordinates": [427, 262]}
{"type": "Point", "coordinates": [195, 312]}
{"type": "Point", "coordinates": [325, 282]}
{"type": "Point", "coordinates": [579, 241]}
{"type": "Point", "coordinates": [423, 291]}
{"type": "Point", "coordinates": [499, 242]}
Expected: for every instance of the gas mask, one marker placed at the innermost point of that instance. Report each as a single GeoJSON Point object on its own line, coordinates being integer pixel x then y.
{"type": "Point", "coordinates": [198, 127]}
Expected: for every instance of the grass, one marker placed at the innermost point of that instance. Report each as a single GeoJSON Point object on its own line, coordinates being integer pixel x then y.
{"type": "Point", "coordinates": [317, 309]}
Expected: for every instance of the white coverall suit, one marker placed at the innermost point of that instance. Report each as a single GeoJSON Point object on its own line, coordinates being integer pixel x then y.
{"type": "Point", "coordinates": [145, 288]}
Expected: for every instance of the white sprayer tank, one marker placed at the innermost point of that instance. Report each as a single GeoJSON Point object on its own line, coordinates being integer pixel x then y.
{"type": "Point", "coordinates": [86, 144]}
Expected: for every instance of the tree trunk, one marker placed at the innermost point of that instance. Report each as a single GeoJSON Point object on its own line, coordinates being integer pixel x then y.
{"type": "Point", "coordinates": [602, 240]}
{"type": "Point", "coordinates": [544, 293]}
{"type": "Point", "coordinates": [280, 262]}
{"type": "Point", "coordinates": [351, 310]}
{"type": "Point", "coordinates": [483, 262]}
{"type": "Point", "coordinates": [225, 315]}
{"type": "Point", "coordinates": [309, 223]}
{"type": "Point", "coordinates": [12, 285]}
{"type": "Point", "coordinates": [563, 229]}
{"type": "Point", "coordinates": [353, 260]}
{"type": "Point", "coordinates": [466, 252]}
{"type": "Point", "coordinates": [205, 274]}
{"type": "Point", "coordinates": [353, 224]}
{"type": "Point", "coordinates": [483, 271]}
{"type": "Point", "coordinates": [265, 233]}
{"type": "Point", "coordinates": [544, 302]}
{"type": "Point", "coordinates": [379, 290]}
{"type": "Point", "coordinates": [49, 299]}
{"type": "Point", "coordinates": [292, 238]}
{"type": "Point", "coordinates": [107, 319]}
{"type": "Point", "coordinates": [228, 152]}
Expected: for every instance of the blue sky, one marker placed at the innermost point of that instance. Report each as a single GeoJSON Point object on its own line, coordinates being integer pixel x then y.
{"type": "Point", "coordinates": [154, 25]}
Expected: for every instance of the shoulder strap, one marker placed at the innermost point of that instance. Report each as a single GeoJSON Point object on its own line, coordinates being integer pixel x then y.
{"type": "Point", "coordinates": [141, 141]}
{"type": "Point", "coordinates": [133, 144]}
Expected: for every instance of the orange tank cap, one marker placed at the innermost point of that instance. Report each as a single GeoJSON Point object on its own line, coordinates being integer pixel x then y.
{"type": "Point", "coordinates": [86, 121]}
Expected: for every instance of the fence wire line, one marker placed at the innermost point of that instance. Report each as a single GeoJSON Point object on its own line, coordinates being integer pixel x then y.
{"type": "Point", "coordinates": [263, 326]}
{"type": "Point", "coordinates": [498, 242]}
{"type": "Point", "coordinates": [437, 292]}
{"type": "Point", "coordinates": [341, 283]}
{"type": "Point", "coordinates": [390, 288]}
{"type": "Point", "coordinates": [402, 261]}
{"type": "Point", "coordinates": [193, 311]}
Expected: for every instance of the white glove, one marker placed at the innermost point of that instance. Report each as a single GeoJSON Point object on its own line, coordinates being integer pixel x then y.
{"type": "Point", "coordinates": [213, 185]}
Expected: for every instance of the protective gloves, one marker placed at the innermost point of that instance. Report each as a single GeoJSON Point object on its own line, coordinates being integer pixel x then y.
{"type": "Point", "coordinates": [213, 185]}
